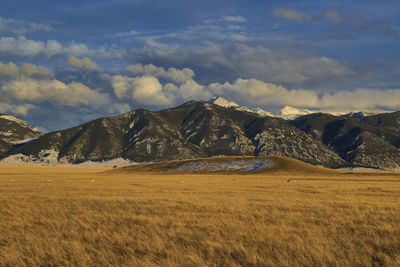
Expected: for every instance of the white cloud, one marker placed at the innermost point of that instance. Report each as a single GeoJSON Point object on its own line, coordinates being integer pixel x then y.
{"type": "Point", "coordinates": [363, 98]}
{"type": "Point", "coordinates": [188, 90]}
{"type": "Point", "coordinates": [144, 90]}
{"type": "Point", "coordinates": [183, 86]}
{"type": "Point", "coordinates": [336, 17]}
{"type": "Point", "coordinates": [30, 70]}
{"type": "Point", "coordinates": [34, 71]}
{"type": "Point", "coordinates": [234, 19]}
{"type": "Point", "coordinates": [21, 46]}
{"type": "Point", "coordinates": [24, 47]}
{"type": "Point", "coordinates": [21, 109]}
{"type": "Point", "coordinates": [19, 27]}
{"type": "Point", "coordinates": [124, 34]}
{"type": "Point", "coordinates": [292, 14]}
{"type": "Point", "coordinates": [254, 92]}
{"type": "Point", "coordinates": [280, 66]}
{"type": "Point", "coordinates": [54, 92]}
{"type": "Point", "coordinates": [173, 74]}
{"type": "Point", "coordinates": [9, 69]}
{"type": "Point", "coordinates": [84, 63]}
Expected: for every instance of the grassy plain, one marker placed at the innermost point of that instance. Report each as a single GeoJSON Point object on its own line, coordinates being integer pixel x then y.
{"type": "Point", "coordinates": [76, 216]}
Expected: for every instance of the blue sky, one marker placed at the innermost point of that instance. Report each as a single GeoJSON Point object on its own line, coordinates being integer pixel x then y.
{"type": "Point", "coordinates": [63, 63]}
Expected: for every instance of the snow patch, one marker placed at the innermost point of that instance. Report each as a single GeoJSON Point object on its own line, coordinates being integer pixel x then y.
{"type": "Point", "coordinates": [14, 119]}
{"type": "Point", "coordinates": [45, 157]}
{"type": "Point", "coordinates": [242, 165]}
{"type": "Point", "coordinates": [220, 101]}
{"type": "Point", "coordinates": [118, 162]}
{"type": "Point", "coordinates": [6, 133]}
{"type": "Point", "coordinates": [50, 157]}
{"type": "Point", "coordinates": [291, 113]}
{"type": "Point", "coordinates": [23, 141]}
{"type": "Point", "coordinates": [243, 108]}
{"type": "Point", "coordinates": [264, 113]}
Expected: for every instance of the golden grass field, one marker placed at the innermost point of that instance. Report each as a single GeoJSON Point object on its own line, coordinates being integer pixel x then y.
{"type": "Point", "coordinates": [293, 215]}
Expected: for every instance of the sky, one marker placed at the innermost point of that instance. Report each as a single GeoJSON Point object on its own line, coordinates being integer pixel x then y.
{"type": "Point", "coordinates": [63, 63]}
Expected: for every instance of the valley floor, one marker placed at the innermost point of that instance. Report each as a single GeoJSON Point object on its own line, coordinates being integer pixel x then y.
{"type": "Point", "coordinates": [77, 216]}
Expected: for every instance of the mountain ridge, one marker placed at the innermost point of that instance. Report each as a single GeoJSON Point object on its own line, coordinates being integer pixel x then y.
{"type": "Point", "coordinates": [290, 112]}
{"type": "Point", "coordinates": [203, 129]}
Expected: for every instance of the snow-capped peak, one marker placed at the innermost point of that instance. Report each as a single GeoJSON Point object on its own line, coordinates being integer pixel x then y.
{"type": "Point", "coordinates": [14, 119]}
{"type": "Point", "coordinates": [264, 113]}
{"type": "Point", "coordinates": [220, 101]}
{"type": "Point", "coordinates": [289, 112]}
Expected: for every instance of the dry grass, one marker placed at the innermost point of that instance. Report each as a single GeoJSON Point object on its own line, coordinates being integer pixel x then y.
{"type": "Point", "coordinates": [65, 216]}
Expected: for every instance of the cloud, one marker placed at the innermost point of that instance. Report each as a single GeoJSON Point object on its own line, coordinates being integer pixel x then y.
{"type": "Point", "coordinates": [334, 16]}
{"type": "Point", "coordinates": [54, 92]}
{"type": "Point", "coordinates": [21, 46]}
{"type": "Point", "coordinates": [124, 34]}
{"type": "Point", "coordinates": [19, 27]}
{"type": "Point", "coordinates": [11, 70]}
{"type": "Point", "coordinates": [144, 90]}
{"type": "Point", "coordinates": [219, 63]}
{"type": "Point", "coordinates": [173, 74]}
{"type": "Point", "coordinates": [8, 70]}
{"type": "Point", "coordinates": [291, 14]}
{"type": "Point", "coordinates": [363, 98]}
{"type": "Point", "coordinates": [254, 92]}
{"type": "Point", "coordinates": [24, 47]}
{"type": "Point", "coordinates": [188, 90]}
{"type": "Point", "coordinates": [34, 71]}
{"type": "Point", "coordinates": [199, 35]}
{"type": "Point", "coordinates": [359, 24]}
{"type": "Point", "coordinates": [183, 86]}
{"type": "Point", "coordinates": [84, 63]}
{"type": "Point", "coordinates": [234, 19]}
{"type": "Point", "coordinates": [16, 109]}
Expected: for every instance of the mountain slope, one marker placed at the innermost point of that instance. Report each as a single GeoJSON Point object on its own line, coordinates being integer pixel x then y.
{"type": "Point", "coordinates": [202, 129]}
{"type": "Point", "coordinates": [13, 130]}
{"type": "Point", "coordinates": [274, 136]}
{"type": "Point", "coordinates": [216, 130]}
{"type": "Point", "coordinates": [371, 141]}
{"type": "Point", "coordinates": [139, 136]}
{"type": "Point", "coordinates": [4, 146]}
{"type": "Point", "coordinates": [195, 129]}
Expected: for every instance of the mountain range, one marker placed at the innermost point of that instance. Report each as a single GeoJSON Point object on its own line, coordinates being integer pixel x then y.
{"type": "Point", "coordinates": [219, 127]}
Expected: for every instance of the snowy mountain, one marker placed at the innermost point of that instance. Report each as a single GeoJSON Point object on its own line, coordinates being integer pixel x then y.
{"type": "Point", "coordinates": [14, 131]}
{"type": "Point", "coordinates": [192, 130]}
{"type": "Point", "coordinates": [220, 101]}
{"type": "Point", "coordinates": [264, 113]}
{"type": "Point", "coordinates": [290, 113]}
{"type": "Point", "coordinates": [202, 129]}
